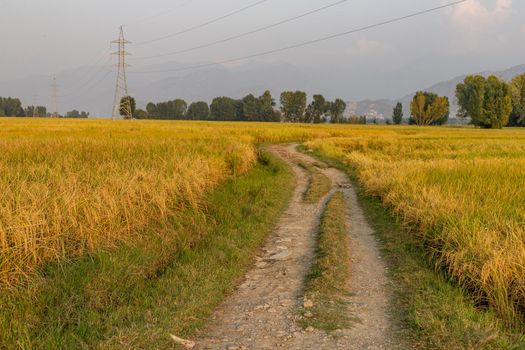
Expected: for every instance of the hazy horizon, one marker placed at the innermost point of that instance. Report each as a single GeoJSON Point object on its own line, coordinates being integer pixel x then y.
{"type": "Point", "coordinates": [60, 35]}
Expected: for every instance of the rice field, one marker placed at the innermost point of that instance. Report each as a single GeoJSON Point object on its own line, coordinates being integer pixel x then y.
{"type": "Point", "coordinates": [71, 187]}
{"type": "Point", "coordinates": [461, 191]}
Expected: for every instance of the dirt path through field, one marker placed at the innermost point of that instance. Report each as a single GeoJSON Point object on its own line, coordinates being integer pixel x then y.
{"type": "Point", "coordinates": [262, 312]}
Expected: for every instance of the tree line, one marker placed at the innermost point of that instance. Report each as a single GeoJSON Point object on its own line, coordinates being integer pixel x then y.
{"type": "Point", "coordinates": [488, 102]}
{"type": "Point", "coordinates": [294, 108]}
{"type": "Point", "coordinates": [12, 107]}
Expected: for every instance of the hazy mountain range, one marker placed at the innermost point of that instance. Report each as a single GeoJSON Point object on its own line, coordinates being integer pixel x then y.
{"type": "Point", "coordinates": [92, 88]}
{"type": "Point", "coordinates": [383, 108]}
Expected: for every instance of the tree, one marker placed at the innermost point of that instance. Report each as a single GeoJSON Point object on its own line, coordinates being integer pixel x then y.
{"type": "Point", "coordinates": [267, 111]}
{"type": "Point", "coordinates": [38, 111]}
{"type": "Point", "coordinates": [336, 110]}
{"type": "Point", "coordinates": [152, 110]}
{"type": "Point", "coordinates": [429, 109]}
{"type": "Point", "coordinates": [470, 96]}
{"type": "Point", "coordinates": [250, 105]}
{"type": "Point", "coordinates": [319, 107]}
{"type": "Point", "coordinates": [517, 88]}
{"type": "Point", "coordinates": [225, 108]}
{"type": "Point", "coordinates": [486, 101]}
{"type": "Point", "coordinates": [11, 107]}
{"type": "Point", "coordinates": [498, 103]}
{"type": "Point", "coordinates": [76, 114]}
{"type": "Point", "coordinates": [293, 106]}
{"type": "Point", "coordinates": [259, 108]}
{"type": "Point", "coordinates": [140, 114]}
{"type": "Point", "coordinates": [397, 115]}
{"type": "Point", "coordinates": [198, 111]}
{"type": "Point", "coordinates": [175, 109]}
{"type": "Point", "coordinates": [308, 114]}
{"type": "Point", "coordinates": [127, 107]}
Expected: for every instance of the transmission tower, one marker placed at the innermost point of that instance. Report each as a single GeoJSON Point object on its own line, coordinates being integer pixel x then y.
{"type": "Point", "coordinates": [54, 97]}
{"type": "Point", "coordinates": [121, 88]}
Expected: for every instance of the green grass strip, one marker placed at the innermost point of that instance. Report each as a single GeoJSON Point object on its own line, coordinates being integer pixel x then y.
{"type": "Point", "coordinates": [319, 184]}
{"type": "Point", "coordinates": [327, 282]}
{"type": "Point", "coordinates": [169, 281]}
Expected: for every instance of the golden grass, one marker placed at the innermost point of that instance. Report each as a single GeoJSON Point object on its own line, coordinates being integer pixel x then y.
{"type": "Point", "coordinates": [69, 187]}
{"type": "Point", "coordinates": [72, 186]}
{"type": "Point", "coordinates": [463, 192]}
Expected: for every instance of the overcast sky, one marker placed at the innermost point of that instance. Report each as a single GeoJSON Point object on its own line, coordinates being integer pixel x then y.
{"type": "Point", "coordinates": [47, 36]}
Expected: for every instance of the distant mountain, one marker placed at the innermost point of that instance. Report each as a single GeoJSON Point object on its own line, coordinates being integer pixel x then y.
{"type": "Point", "coordinates": [237, 83]}
{"type": "Point", "coordinates": [92, 88]}
{"type": "Point", "coordinates": [383, 108]}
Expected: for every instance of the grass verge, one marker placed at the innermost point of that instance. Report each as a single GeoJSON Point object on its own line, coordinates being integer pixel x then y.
{"type": "Point", "coordinates": [326, 284]}
{"type": "Point", "coordinates": [170, 281]}
{"type": "Point", "coordinates": [438, 313]}
{"type": "Point", "coordinates": [319, 184]}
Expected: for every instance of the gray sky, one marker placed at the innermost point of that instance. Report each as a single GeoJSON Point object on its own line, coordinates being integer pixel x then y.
{"type": "Point", "coordinates": [41, 37]}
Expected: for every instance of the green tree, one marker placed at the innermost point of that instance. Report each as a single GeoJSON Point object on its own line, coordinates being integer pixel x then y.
{"type": "Point", "coordinates": [336, 110]}
{"type": "Point", "coordinates": [397, 115]}
{"type": "Point", "coordinates": [76, 114]}
{"type": "Point", "coordinates": [308, 114]}
{"type": "Point", "coordinates": [38, 111]}
{"type": "Point", "coordinates": [517, 87]}
{"type": "Point", "coordinates": [177, 109]}
{"type": "Point", "coordinates": [498, 103]}
{"type": "Point", "coordinates": [169, 110]}
{"type": "Point", "coordinates": [486, 101]}
{"type": "Point", "coordinates": [293, 106]}
{"type": "Point", "coordinates": [127, 107]}
{"type": "Point", "coordinates": [429, 109]}
{"type": "Point", "coordinates": [140, 114]}
{"type": "Point", "coordinates": [11, 107]}
{"type": "Point", "coordinates": [225, 108]}
{"type": "Point", "coordinates": [259, 108]}
{"type": "Point", "coordinates": [470, 96]}
{"type": "Point", "coordinates": [198, 111]}
{"type": "Point", "coordinates": [267, 110]}
{"type": "Point", "coordinates": [152, 110]}
{"type": "Point", "coordinates": [251, 110]}
{"type": "Point", "coordinates": [319, 107]}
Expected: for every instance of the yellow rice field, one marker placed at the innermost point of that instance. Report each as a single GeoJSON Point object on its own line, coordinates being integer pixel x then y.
{"type": "Point", "coordinates": [461, 191]}
{"type": "Point", "coordinates": [69, 187]}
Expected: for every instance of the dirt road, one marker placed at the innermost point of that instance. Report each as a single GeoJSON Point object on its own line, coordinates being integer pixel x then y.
{"type": "Point", "coordinates": [262, 312]}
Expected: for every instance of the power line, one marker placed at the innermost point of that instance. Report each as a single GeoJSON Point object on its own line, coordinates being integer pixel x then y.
{"type": "Point", "coordinates": [88, 82]}
{"type": "Point", "coordinates": [198, 26]}
{"type": "Point", "coordinates": [309, 42]}
{"type": "Point", "coordinates": [238, 36]}
{"type": "Point", "coordinates": [82, 98]}
{"type": "Point", "coordinates": [91, 68]}
{"type": "Point", "coordinates": [91, 86]}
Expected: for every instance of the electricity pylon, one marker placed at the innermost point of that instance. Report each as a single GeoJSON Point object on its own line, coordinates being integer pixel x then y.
{"type": "Point", "coordinates": [54, 97]}
{"type": "Point", "coordinates": [121, 88]}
